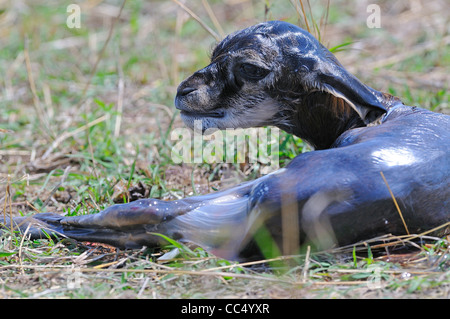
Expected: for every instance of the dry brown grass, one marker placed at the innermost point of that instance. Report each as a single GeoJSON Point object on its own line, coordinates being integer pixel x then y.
{"type": "Point", "coordinates": [63, 149]}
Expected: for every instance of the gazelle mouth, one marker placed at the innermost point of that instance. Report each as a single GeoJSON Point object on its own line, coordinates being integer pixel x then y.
{"type": "Point", "coordinates": [216, 114]}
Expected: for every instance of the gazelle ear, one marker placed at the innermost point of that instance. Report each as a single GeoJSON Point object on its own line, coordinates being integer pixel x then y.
{"type": "Point", "coordinates": [366, 101]}
{"type": "Point", "coordinates": [318, 69]}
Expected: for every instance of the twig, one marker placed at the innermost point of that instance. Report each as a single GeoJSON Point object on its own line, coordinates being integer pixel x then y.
{"type": "Point", "coordinates": [324, 21]}
{"type": "Point", "coordinates": [395, 202]}
{"type": "Point", "coordinates": [94, 162]}
{"type": "Point", "coordinates": [304, 16]}
{"type": "Point", "coordinates": [143, 287]}
{"type": "Point", "coordinates": [21, 245]}
{"type": "Point", "coordinates": [15, 152]}
{"type": "Point", "coordinates": [107, 264]}
{"type": "Point", "coordinates": [306, 266]}
{"type": "Point", "coordinates": [66, 134]}
{"type": "Point", "coordinates": [120, 94]}
{"type": "Point", "coordinates": [102, 51]}
{"type": "Point", "coordinates": [32, 207]}
{"type": "Point", "coordinates": [6, 200]}
{"type": "Point", "coordinates": [196, 18]}
{"type": "Point", "coordinates": [251, 263]}
{"type": "Point", "coordinates": [410, 237]}
{"type": "Point", "coordinates": [63, 179]}
{"type": "Point", "coordinates": [150, 271]}
{"type": "Point", "coordinates": [8, 192]}
{"type": "Point", "coordinates": [387, 271]}
{"type": "Point", "coordinates": [37, 105]}
{"type": "Point", "coordinates": [213, 18]}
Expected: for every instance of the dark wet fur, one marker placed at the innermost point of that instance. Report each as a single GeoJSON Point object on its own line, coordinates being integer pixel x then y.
{"type": "Point", "coordinates": [335, 193]}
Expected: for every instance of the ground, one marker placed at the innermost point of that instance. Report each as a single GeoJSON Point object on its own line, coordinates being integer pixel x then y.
{"type": "Point", "coordinates": [85, 120]}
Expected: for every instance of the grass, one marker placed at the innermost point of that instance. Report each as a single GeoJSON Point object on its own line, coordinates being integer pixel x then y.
{"type": "Point", "coordinates": [81, 125]}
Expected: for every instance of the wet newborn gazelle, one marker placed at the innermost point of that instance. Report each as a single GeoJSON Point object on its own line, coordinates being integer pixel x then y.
{"type": "Point", "coordinates": [275, 73]}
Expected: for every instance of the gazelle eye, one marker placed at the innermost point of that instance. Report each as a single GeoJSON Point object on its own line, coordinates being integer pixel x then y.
{"type": "Point", "coordinates": [252, 71]}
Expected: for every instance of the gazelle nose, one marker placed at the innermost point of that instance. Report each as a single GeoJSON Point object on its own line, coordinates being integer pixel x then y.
{"type": "Point", "coordinates": [186, 91]}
